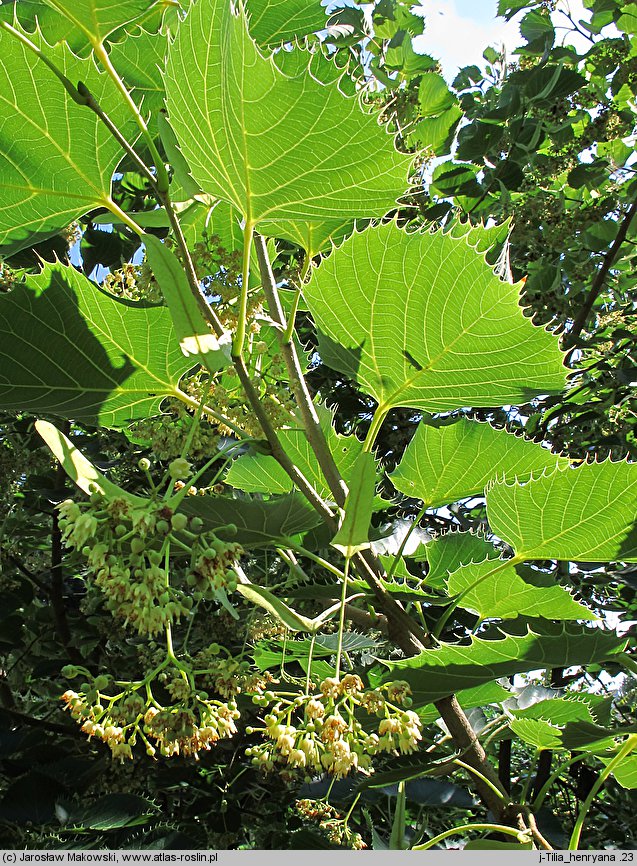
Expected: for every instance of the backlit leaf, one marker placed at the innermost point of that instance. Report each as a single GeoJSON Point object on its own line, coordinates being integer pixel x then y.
{"type": "Point", "coordinates": [78, 467]}
{"type": "Point", "coordinates": [353, 533]}
{"type": "Point", "coordinates": [254, 522]}
{"type": "Point", "coordinates": [70, 349]}
{"type": "Point", "coordinates": [56, 157]}
{"type": "Point", "coordinates": [99, 18]}
{"type": "Point", "coordinates": [277, 146]}
{"type": "Point", "coordinates": [422, 321]}
{"type": "Point", "coordinates": [451, 551]}
{"type": "Point", "coordinates": [587, 513]}
{"type": "Point", "coordinates": [495, 589]}
{"type": "Point", "coordinates": [139, 59]}
{"type": "Point", "coordinates": [275, 21]}
{"type": "Point", "coordinates": [626, 772]}
{"type": "Point", "coordinates": [258, 473]}
{"type": "Point", "coordinates": [191, 329]}
{"type": "Point", "coordinates": [449, 463]}
{"type": "Point", "coordinates": [436, 673]}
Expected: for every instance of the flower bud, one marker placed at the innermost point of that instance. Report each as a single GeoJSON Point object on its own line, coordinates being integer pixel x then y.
{"type": "Point", "coordinates": [179, 468]}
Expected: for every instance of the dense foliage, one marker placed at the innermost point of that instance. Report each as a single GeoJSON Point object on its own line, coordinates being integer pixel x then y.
{"type": "Point", "coordinates": [319, 499]}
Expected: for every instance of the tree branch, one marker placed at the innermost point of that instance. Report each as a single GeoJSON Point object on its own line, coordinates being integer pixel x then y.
{"type": "Point", "coordinates": [600, 278]}
{"type": "Point", "coordinates": [313, 430]}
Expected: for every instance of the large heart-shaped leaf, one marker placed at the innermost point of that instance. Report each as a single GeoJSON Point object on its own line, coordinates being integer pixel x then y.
{"type": "Point", "coordinates": [587, 513]}
{"type": "Point", "coordinates": [448, 463]}
{"type": "Point", "coordinates": [436, 673]}
{"type": "Point", "coordinates": [421, 320]}
{"type": "Point", "coordinates": [74, 23]}
{"type": "Point", "coordinates": [494, 589]}
{"type": "Point", "coordinates": [70, 349]}
{"type": "Point", "coordinates": [278, 146]}
{"type": "Point", "coordinates": [56, 157]}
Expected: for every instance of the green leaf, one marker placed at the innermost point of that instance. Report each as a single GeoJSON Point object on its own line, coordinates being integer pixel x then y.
{"type": "Point", "coordinates": [448, 553]}
{"type": "Point", "coordinates": [445, 464]}
{"type": "Point", "coordinates": [508, 8]}
{"type": "Point", "coordinates": [480, 696]}
{"type": "Point", "coordinates": [112, 812]}
{"type": "Point", "coordinates": [183, 186]}
{"type": "Point", "coordinates": [591, 737]}
{"type": "Point", "coordinates": [56, 157]}
{"type": "Point", "coordinates": [537, 28]}
{"type": "Point", "coordinates": [191, 329]}
{"type": "Point", "coordinates": [587, 513]}
{"type": "Point", "coordinates": [39, 15]}
{"type": "Point", "coordinates": [258, 473]}
{"type": "Point", "coordinates": [271, 654]}
{"type": "Point", "coordinates": [566, 723]}
{"type": "Point", "coordinates": [139, 59]}
{"type": "Point", "coordinates": [70, 349]}
{"type": "Point", "coordinates": [437, 673]}
{"type": "Point", "coordinates": [495, 589]}
{"type": "Point", "coordinates": [353, 533]}
{"type": "Point", "coordinates": [626, 772]}
{"type": "Point", "coordinates": [99, 18]}
{"type": "Point", "coordinates": [434, 95]}
{"type": "Point", "coordinates": [278, 146]}
{"type": "Point", "coordinates": [483, 238]}
{"type": "Point", "coordinates": [79, 468]}
{"type": "Point", "coordinates": [559, 711]}
{"type": "Point", "coordinates": [313, 237]}
{"type": "Point", "coordinates": [421, 320]}
{"type": "Point", "coordinates": [435, 133]}
{"type": "Point", "coordinates": [274, 21]}
{"type": "Point", "coordinates": [537, 733]}
{"type": "Point", "coordinates": [258, 523]}
{"type": "Point", "coordinates": [451, 178]}
{"type": "Point", "coordinates": [492, 845]}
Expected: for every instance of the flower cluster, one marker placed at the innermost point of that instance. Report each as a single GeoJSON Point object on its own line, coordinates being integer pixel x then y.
{"type": "Point", "coordinates": [330, 736]}
{"type": "Point", "coordinates": [230, 677]}
{"type": "Point", "coordinates": [167, 433]}
{"type": "Point", "coordinates": [331, 822]}
{"type": "Point", "coordinates": [127, 545]}
{"type": "Point", "coordinates": [187, 730]}
{"type": "Point", "coordinates": [191, 724]}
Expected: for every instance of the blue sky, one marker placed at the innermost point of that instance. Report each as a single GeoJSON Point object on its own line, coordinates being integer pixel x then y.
{"type": "Point", "coordinates": [458, 31]}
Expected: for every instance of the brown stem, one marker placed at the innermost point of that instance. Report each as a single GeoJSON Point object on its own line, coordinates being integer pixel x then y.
{"type": "Point", "coordinates": [313, 430]}
{"type": "Point", "coordinates": [278, 452]}
{"type": "Point", "coordinates": [367, 565]}
{"type": "Point", "coordinates": [598, 283]}
{"type": "Point", "coordinates": [538, 838]}
{"type": "Point", "coordinates": [466, 740]}
{"type": "Point", "coordinates": [90, 102]}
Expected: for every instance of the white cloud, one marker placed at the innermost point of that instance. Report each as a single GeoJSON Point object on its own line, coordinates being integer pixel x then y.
{"type": "Point", "coordinates": [457, 32]}
{"type": "Point", "coordinates": [458, 40]}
